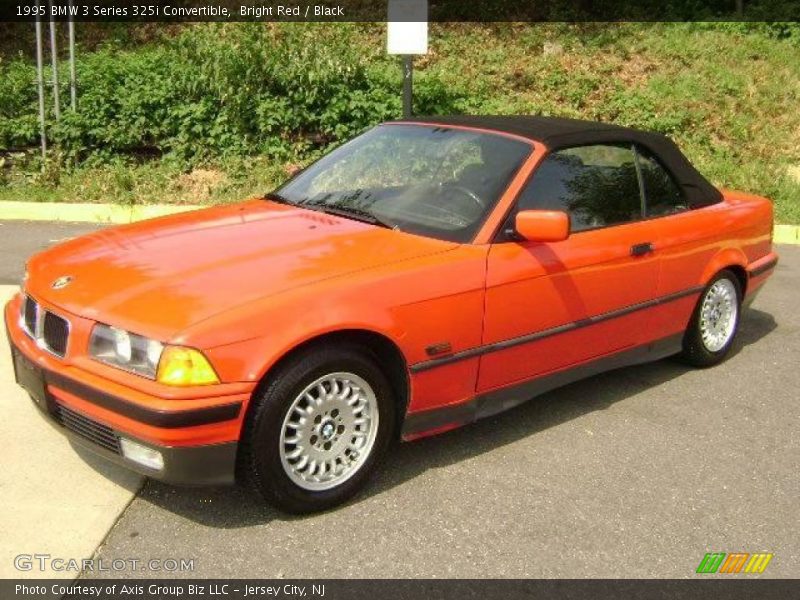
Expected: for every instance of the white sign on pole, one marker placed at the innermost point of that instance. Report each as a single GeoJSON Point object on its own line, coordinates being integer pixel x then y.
{"type": "Point", "coordinates": [407, 31]}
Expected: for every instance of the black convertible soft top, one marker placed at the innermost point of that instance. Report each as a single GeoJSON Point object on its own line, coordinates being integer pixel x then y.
{"type": "Point", "coordinates": [558, 133]}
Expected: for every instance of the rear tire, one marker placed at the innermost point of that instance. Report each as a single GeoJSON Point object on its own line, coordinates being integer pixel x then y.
{"type": "Point", "coordinates": [714, 323]}
{"type": "Point", "coordinates": [318, 429]}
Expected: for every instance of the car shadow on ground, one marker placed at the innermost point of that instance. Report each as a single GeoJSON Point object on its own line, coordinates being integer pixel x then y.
{"type": "Point", "coordinates": [237, 507]}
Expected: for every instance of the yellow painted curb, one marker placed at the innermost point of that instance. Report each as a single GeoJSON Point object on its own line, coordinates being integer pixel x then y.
{"type": "Point", "coordinates": [786, 234]}
{"type": "Point", "coordinates": [85, 212]}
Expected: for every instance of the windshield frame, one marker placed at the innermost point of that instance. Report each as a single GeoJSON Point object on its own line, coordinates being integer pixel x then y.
{"type": "Point", "coordinates": [478, 226]}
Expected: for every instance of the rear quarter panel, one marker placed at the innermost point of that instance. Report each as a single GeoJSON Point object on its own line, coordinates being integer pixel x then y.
{"type": "Point", "coordinates": [695, 245]}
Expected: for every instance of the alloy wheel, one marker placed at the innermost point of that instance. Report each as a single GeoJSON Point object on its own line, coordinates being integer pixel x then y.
{"type": "Point", "coordinates": [329, 431]}
{"type": "Point", "coordinates": [718, 315]}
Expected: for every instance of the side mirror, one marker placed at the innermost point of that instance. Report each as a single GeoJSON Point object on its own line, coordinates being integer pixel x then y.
{"type": "Point", "coordinates": [542, 225]}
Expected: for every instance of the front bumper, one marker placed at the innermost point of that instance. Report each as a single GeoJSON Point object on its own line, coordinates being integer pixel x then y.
{"type": "Point", "coordinates": [212, 464]}
{"type": "Point", "coordinates": [96, 419]}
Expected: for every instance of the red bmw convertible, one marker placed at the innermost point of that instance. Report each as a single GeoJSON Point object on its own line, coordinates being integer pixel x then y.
{"type": "Point", "coordinates": [421, 276]}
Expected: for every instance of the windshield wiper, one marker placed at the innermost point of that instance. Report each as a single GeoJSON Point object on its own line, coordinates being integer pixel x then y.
{"type": "Point", "coordinates": [339, 210]}
{"type": "Point", "coordinates": [276, 197]}
{"type": "Point", "coordinates": [351, 212]}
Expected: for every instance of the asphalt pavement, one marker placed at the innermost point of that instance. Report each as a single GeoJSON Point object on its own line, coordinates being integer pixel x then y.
{"type": "Point", "coordinates": [20, 239]}
{"type": "Point", "coordinates": [634, 473]}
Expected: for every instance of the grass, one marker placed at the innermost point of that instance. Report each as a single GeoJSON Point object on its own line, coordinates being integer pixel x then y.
{"type": "Point", "coordinates": [153, 182]}
{"type": "Point", "coordinates": [727, 95]}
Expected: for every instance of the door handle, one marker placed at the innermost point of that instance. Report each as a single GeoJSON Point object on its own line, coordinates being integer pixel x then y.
{"type": "Point", "coordinates": [642, 249]}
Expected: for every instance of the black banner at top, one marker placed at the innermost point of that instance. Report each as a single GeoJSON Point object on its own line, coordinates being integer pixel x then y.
{"type": "Point", "coordinates": [376, 10]}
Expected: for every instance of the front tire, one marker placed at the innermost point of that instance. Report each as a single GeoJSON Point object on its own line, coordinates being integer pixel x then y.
{"type": "Point", "coordinates": [318, 429]}
{"type": "Point", "coordinates": [714, 323]}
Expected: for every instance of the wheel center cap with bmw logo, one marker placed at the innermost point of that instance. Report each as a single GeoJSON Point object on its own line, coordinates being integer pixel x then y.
{"type": "Point", "coordinates": [327, 431]}
{"type": "Point", "coordinates": [61, 282]}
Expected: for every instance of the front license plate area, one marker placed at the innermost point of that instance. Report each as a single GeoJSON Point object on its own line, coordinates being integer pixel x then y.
{"type": "Point", "coordinates": [30, 377]}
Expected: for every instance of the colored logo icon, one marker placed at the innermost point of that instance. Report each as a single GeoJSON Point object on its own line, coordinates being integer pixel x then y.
{"type": "Point", "coordinates": [735, 562]}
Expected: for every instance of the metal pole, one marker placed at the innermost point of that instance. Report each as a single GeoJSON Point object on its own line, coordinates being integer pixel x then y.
{"type": "Point", "coordinates": [40, 82]}
{"type": "Point", "coordinates": [54, 60]}
{"type": "Point", "coordinates": [408, 73]}
{"type": "Point", "coordinates": [73, 93]}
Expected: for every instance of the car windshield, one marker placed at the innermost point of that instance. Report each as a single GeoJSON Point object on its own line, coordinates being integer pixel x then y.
{"type": "Point", "coordinates": [435, 181]}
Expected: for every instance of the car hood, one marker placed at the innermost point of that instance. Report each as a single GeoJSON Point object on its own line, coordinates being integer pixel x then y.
{"type": "Point", "coordinates": [158, 277]}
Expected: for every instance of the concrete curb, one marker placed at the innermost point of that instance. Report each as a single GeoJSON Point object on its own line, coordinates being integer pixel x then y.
{"type": "Point", "coordinates": [86, 212]}
{"type": "Point", "coordinates": [786, 234]}
{"type": "Point", "coordinates": [57, 499]}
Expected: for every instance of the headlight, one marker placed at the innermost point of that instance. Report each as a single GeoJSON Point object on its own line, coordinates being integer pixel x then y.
{"type": "Point", "coordinates": [125, 350]}
{"type": "Point", "coordinates": [172, 365]}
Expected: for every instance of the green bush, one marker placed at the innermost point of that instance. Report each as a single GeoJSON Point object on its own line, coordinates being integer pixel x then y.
{"type": "Point", "coordinates": [280, 91]}
{"type": "Point", "coordinates": [235, 102]}
{"type": "Point", "coordinates": [19, 124]}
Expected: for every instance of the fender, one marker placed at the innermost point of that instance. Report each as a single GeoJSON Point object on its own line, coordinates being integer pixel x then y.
{"type": "Point", "coordinates": [724, 258]}
{"type": "Point", "coordinates": [271, 350]}
{"type": "Point", "coordinates": [413, 305]}
{"type": "Point", "coordinates": [280, 329]}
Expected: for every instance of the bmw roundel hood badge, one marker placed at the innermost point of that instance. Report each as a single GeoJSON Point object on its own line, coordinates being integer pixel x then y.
{"type": "Point", "coordinates": [61, 282]}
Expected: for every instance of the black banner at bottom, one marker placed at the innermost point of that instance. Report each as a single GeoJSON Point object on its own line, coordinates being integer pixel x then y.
{"type": "Point", "coordinates": [398, 589]}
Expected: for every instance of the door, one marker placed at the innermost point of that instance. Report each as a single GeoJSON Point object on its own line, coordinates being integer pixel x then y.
{"type": "Point", "coordinates": [552, 305]}
{"type": "Point", "coordinates": [687, 241]}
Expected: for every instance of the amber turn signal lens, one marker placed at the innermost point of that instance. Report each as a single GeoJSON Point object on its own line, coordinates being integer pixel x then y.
{"type": "Point", "coordinates": [185, 366]}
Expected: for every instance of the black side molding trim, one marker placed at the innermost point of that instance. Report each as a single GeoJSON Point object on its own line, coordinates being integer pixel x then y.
{"type": "Point", "coordinates": [497, 401]}
{"type": "Point", "coordinates": [533, 337]}
{"type": "Point", "coordinates": [767, 266]}
{"type": "Point", "coordinates": [156, 418]}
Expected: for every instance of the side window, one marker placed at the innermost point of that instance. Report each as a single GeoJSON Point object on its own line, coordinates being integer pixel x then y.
{"type": "Point", "coordinates": [597, 185]}
{"type": "Point", "coordinates": [662, 194]}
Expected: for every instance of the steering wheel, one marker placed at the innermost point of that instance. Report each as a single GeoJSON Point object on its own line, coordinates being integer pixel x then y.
{"type": "Point", "coordinates": [465, 192]}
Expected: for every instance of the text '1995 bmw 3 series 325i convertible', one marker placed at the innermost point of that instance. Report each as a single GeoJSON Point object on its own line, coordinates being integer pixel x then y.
{"type": "Point", "coordinates": [421, 276]}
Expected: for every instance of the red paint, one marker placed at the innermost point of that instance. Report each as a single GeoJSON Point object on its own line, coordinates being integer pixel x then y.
{"type": "Point", "coordinates": [247, 283]}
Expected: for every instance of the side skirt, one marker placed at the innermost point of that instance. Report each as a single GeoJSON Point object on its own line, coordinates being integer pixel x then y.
{"type": "Point", "coordinates": [430, 422]}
